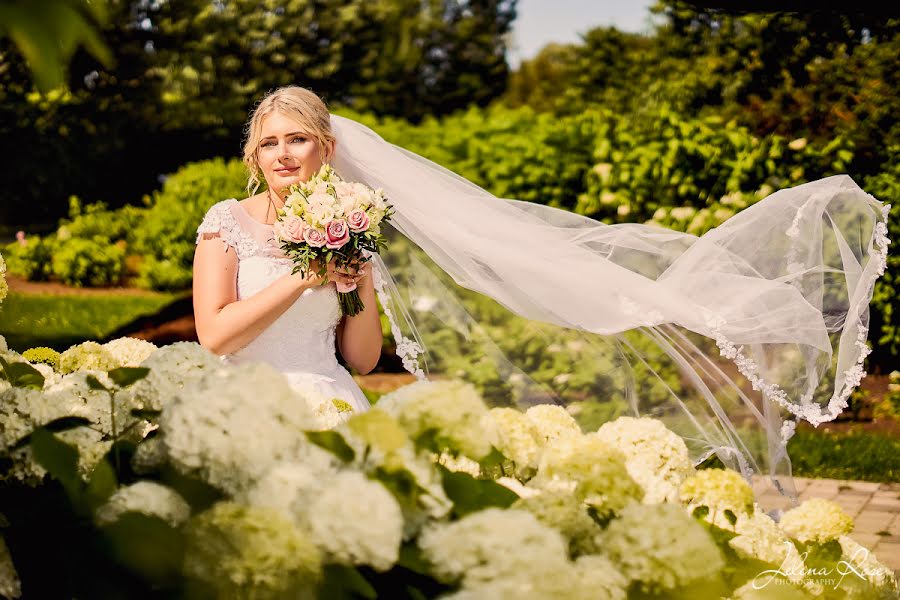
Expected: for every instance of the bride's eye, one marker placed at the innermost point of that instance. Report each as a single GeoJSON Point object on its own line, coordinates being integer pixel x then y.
{"type": "Point", "coordinates": [299, 139]}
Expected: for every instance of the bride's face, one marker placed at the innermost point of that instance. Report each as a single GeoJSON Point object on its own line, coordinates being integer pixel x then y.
{"type": "Point", "coordinates": [287, 154]}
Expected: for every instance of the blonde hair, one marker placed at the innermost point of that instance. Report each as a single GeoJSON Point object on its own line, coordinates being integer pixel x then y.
{"type": "Point", "coordinates": [297, 103]}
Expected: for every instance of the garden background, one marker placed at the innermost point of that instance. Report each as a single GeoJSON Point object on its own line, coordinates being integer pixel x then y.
{"type": "Point", "coordinates": [124, 124]}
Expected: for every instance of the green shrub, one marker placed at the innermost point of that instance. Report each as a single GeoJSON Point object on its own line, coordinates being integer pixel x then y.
{"type": "Point", "coordinates": [44, 355]}
{"type": "Point", "coordinates": [91, 262]}
{"type": "Point", "coordinates": [165, 238]}
{"type": "Point", "coordinates": [33, 260]}
{"type": "Point", "coordinates": [96, 220]}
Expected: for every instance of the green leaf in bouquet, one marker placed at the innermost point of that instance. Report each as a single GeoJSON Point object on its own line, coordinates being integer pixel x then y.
{"type": "Point", "coordinates": [344, 582]}
{"type": "Point", "coordinates": [125, 376]}
{"type": "Point", "coordinates": [23, 375]}
{"type": "Point", "coordinates": [471, 495]}
{"type": "Point", "coordinates": [95, 384]}
{"type": "Point", "coordinates": [333, 442]}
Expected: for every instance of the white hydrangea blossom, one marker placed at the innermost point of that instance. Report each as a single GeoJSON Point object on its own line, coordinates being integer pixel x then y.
{"type": "Point", "coordinates": [589, 578]}
{"type": "Point", "coordinates": [592, 469]}
{"type": "Point", "coordinates": [232, 425]}
{"type": "Point", "coordinates": [552, 422]}
{"type": "Point", "coordinates": [356, 521]}
{"type": "Point", "coordinates": [459, 464]}
{"type": "Point", "coordinates": [759, 538]}
{"type": "Point", "coordinates": [251, 552]}
{"type": "Point", "coordinates": [516, 438]}
{"type": "Point", "coordinates": [87, 356]}
{"type": "Point", "coordinates": [129, 351]}
{"type": "Point", "coordinates": [453, 410]}
{"type": "Point", "coordinates": [491, 544]}
{"type": "Point", "coordinates": [661, 547]}
{"type": "Point", "coordinates": [50, 376]}
{"type": "Point", "coordinates": [289, 487]}
{"type": "Point", "coordinates": [816, 520]}
{"type": "Point", "coordinates": [566, 514]}
{"type": "Point", "coordinates": [171, 368]}
{"type": "Point", "coordinates": [380, 443]}
{"type": "Point", "coordinates": [3, 346]}
{"type": "Point", "coordinates": [23, 409]}
{"type": "Point", "coordinates": [598, 578]}
{"type": "Point", "coordinates": [146, 497]}
{"type": "Point", "coordinates": [656, 458]}
{"type": "Point", "coordinates": [718, 489]}
{"type": "Point", "coordinates": [864, 562]}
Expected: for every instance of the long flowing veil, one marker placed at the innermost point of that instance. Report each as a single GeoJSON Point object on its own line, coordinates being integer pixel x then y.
{"type": "Point", "coordinates": [729, 338]}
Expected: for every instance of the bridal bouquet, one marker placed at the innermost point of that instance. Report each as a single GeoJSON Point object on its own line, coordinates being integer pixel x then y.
{"type": "Point", "coordinates": [327, 218]}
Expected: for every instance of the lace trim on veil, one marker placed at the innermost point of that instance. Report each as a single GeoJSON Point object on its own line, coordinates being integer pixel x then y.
{"type": "Point", "coordinates": [408, 350]}
{"type": "Point", "coordinates": [852, 376]}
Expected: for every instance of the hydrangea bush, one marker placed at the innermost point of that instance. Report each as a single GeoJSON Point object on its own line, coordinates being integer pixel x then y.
{"type": "Point", "coordinates": [165, 469]}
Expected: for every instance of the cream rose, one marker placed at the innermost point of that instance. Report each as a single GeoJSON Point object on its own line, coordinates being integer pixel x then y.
{"type": "Point", "coordinates": [314, 237]}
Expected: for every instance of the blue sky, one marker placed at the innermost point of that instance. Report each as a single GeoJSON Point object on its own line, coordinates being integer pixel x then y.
{"type": "Point", "coordinates": [542, 21]}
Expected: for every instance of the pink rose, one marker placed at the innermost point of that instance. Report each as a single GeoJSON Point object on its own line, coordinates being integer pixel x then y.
{"type": "Point", "coordinates": [294, 229]}
{"type": "Point", "coordinates": [314, 237]}
{"type": "Point", "coordinates": [358, 220]}
{"type": "Point", "coordinates": [336, 234]}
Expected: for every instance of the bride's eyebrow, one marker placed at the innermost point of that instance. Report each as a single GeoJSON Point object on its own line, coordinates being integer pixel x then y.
{"type": "Point", "coordinates": [269, 137]}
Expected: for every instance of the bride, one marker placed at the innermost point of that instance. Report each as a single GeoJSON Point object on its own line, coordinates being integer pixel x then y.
{"type": "Point", "coordinates": [731, 338]}
{"type": "Point", "coordinates": [247, 304]}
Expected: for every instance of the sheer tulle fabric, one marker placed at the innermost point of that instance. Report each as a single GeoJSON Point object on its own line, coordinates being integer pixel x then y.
{"type": "Point", "coordinates": [730, 338]}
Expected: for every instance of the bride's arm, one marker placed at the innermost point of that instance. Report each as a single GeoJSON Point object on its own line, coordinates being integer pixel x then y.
{"type": "Point", "coordinates": [224, 323]}
{"type": "Point", "coordinates": [359, 337]}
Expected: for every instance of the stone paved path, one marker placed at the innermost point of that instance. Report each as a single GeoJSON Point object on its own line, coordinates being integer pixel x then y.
{"type": "Point", "coordinates": [875, 508]}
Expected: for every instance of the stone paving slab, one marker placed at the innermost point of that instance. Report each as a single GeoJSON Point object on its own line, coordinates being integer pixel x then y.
{"type": "Point", "coordinates": [875, 508]}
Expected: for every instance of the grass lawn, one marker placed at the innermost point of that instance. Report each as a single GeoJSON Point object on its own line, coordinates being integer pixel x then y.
{"type": "Point", "coordinates": [58, 321]}
{"type": "Point", "coordinates": [857, 454]}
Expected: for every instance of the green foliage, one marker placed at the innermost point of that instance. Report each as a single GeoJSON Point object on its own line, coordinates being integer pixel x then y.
{"type": "Point", "coordinates": [29, 320]}
{"type": "Point", "coordinates": [167, 235]}
{"type": "Point", "coordinates": [47, 33]}
{"type": "Point", "coordinates": [32, 260]}
{"type": "Point", "coordinates": [43, 355]}
{"type": "Point", "coordinates": [886, 297]}
{"type": "Point", "coordinates": [471, 495]}
{"type": "Point", "coordinates": [857, 454]}
{"type": "Point", "coordinates": [88, 261]}
{"type": "Point", "coordinates": [21, 374]}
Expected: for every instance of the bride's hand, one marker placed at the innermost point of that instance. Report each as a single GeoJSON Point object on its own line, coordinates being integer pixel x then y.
{"type": "Point", "coordinates": [346, 275]}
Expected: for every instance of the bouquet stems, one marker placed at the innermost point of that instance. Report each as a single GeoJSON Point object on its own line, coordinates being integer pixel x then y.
{"type": "Point", "coordinates": [351, 303]}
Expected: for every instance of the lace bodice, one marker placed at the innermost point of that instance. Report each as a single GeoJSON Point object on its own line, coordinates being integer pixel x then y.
{"type": "Point", "coordinates": [302, 338]}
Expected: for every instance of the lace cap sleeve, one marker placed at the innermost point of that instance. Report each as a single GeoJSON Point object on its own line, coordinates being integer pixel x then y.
{"type": "Point", "coordinates": [220, 221]}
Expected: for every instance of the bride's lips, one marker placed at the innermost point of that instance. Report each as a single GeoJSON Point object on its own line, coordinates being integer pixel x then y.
{"type": "Point", "coordinates": [286, 171]}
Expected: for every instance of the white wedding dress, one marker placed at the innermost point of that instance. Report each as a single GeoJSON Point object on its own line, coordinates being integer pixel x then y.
{"type": "Point", "coordinates": [301, 342]}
